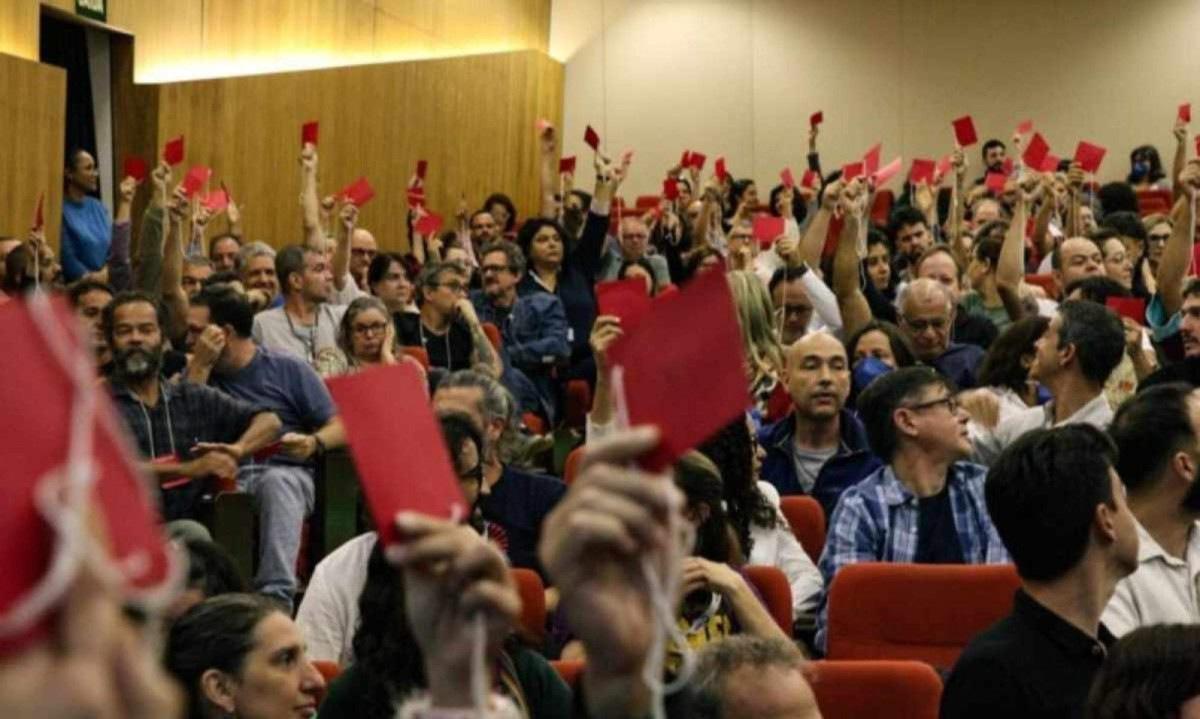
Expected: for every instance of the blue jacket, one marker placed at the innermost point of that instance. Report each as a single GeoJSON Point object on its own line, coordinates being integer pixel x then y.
{"type": "Point", "coordinates": [534, 340]}
{"type": "Point", "coordinates": [86, 236]}
{"type": "Point", "coordinates": [853, 461]}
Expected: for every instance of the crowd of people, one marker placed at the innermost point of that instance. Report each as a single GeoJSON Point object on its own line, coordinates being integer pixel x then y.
{"type": "Point", "coordinates": [986, 374]}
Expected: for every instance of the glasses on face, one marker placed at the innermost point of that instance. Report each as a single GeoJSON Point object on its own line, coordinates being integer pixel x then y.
{"type": "Point", "coordinates": [371, 328]}
{"type": "Point", "coordinates": [796, 310]}
{"type": "Point", "coordinates": [472, 475]}
{"type": "Point", "coordinates": [950, 402]}
{"type": "Point", "coordinates": [457, 288]}
{"type": "Point", "coordinates": [488, 269]}
{"type": "Point", "coordinates": [937, 324]}
{"type": "Point", "coordinates": [1158, 237]}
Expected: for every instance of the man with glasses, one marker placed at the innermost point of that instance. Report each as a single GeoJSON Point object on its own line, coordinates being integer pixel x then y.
{"type": "Point", "coordinates": [927, 312]}
{"type": "Point", "coordinates": [533, 328]}
{"type": "Point", "coordinates": [635, 237]}
{"type": "Point", "coordinates": [447, 327]}
{"type": "Point", "coordinates": [925, 505]}
{"type": "Point", "coordinates": [363, 249]}
{"type": "Point", "coordinates": [803, 303]}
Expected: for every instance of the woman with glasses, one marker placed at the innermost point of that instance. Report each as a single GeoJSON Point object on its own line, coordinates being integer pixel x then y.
{"type": "Point", "coordinates": [366, 338]}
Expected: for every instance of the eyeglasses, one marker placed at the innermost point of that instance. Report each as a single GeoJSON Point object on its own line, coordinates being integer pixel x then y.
{"type": "Point", "coordinates": [950, 402]}
{"type": "Point", "coordinates": [796, 310]}
{"type": "Point", "coordinates": [457, 288]}
{"type": "Point", "coordinates": [472, 475]}
{"type": "Point", "coordinates": [1158, 238]}
{"type": "Point", "coordinates": [488, 269]}
{"type": "Point", "coordinates": [937, 323]}
{"type": "Point", "coordinates": [373, 328]}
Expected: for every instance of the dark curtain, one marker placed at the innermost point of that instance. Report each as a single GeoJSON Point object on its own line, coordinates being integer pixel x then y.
{"type": "Point", "coordinates": [65, 44]}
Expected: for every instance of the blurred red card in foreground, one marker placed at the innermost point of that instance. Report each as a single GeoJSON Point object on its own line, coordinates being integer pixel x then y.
{"type": "Point", "coordinates": [625, 299]}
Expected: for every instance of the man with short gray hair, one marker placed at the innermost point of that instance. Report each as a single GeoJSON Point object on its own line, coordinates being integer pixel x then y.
{"type": "Point", "coordinates": [927, 318]}
{"type": "Point", "coordinates": [745, 676]}
{"type": "Point", "coordinates": [631, 247]}
{"type": "Point", "coordinates": [257, 263]}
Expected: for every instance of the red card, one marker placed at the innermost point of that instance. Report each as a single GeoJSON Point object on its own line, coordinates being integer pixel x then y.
{"type": "Point", "coordinates": [922, 171]}
{"type": "Point", "coordinates": [885, 174]}
{"type": "Point", "coordinates": [591, 138]}
{"type": "Point", "coordinates": [686, 161]}
{"type": "Point", "coordinates": [566, 165]}
{"type": "Point", "coordinates": [809, 179]}
{"type": "Point", "coordinates": [964, 131]}
{"type": "Point", "coordinates": [1036, 152]}
{"type": "Point", "coordinates": [1025, 127]}
{"type": "Point", "coordinates": [670, 188]}
{"type": "Point", "coordinates": [767, 228]}
{"type": "Point", "coordinates": [196, 178]}
{"type": "Point", "coordinates": [943, 166]}
{"type": "Point", "coordinates": [428, 224]}
{"type": "Point", "coordinates": [387, 416]}
{"type": "Point", "coordinates": [1007, 167]}
{"type": "Point", "coordinates": [173, 152]}
{"type": "Point", "coordinates": [1185, 112]}
{"type": "Point", "coordinates": [786, 177]}
{"type": "Point", "coordinates": [309, 132]}
{"type": "Point", "coordinates": [422, 166]}
{"type": "Point", "coordinates": [698, 159]}
{"type": "Point", "coordinates": [720, 170]}
{"type": "Point", "coordinates": [1050, 162]}
{"type": "Point", "coordinates": [626, 299]}
{"type": "Point", "coordinates": [816, 118]}
{"type": "Point", "coordinates": [135, 167]}
{"type": "Point", "coordinates": [360, 192]}
{"type": "Point", "coordinates": [851, 171]}
{"type": "Point", "coordinates": [216, 201]}
{"type": "Point", "coordinates": [1198, 145]}
{"type": "Point", "coordinates": [416, 197]}
{"type": "Point", "coordinates": [871, 159]}
{"type": "Point", "coordinates": [692, 333]}
{"type": "Point", "coordinates": [1089, 156]}
{"type": "Point", "coordinates": [995, 182]}
{"type": "Point", "coordinates": [35, 440]}
{"type": "Point", "coordinates": [1132, 307]}
{"type": "Point", "coordinates": [39, 213]}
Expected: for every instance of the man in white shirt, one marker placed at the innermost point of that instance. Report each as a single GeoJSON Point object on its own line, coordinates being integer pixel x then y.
{"type": "Point", "coordinates": [1157, 433]}
{"type": "Point", "coordinates": [1081, 347]}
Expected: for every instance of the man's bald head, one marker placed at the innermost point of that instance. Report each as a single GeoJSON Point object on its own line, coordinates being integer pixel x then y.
{"type": "Point", "coordinates": [926, 317]}
{"type": "Point", "coordinates": [817, 375]}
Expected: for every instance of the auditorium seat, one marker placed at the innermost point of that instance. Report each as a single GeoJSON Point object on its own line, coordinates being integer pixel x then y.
{"type": "Point", "coordinates": [579, 403]}
{"type": "Point", "coordinates": [534, 423]}
{"type": "Point", "coordinates": [571, 468]}
{"type": "Point", "coordinates": [924, 612]}
{"type": "Point", "coordinates": [571, 672]}
{"type": "Point", "coordinates": [1153, 201]}
{"type": "Point", "coordinates": [329, 671]}
{"type": "Point", "coordinates": [493, 334]}
{"type": "Point", "coordinates": [533, 606]}
{"type": "Point", "coordinates": [807, 520]}
{"type": "Point", "coordinates": [876, 689]}
{"type": "Point", "coordinates": [776, 594]}
{"type": "Point", "coordinates": [1046, 282]}
{"type": "Point", "coordinates": [419, 354]}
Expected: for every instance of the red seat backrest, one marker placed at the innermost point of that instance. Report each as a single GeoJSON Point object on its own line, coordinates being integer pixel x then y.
{"type": "Point", "coordinates": [925, 612]}
{"type": "Point", "coordinates": [533, 605]}
{"type": "Point", "coordinates": [807, 520]}
{"type": "Point", "coordinates": [419, 354]}
{"type": "Point", "coordinates": [570, 672]}
{"type": "Point", "coordinates": [579, 403]}
{"type": "Point", "coordinates": [772, 585]}
{"type": "Point", "coordinates": [329, 671]}
{"type": "Point", "coordinates": [493, 334]}
{"type": "Point", "coordinates": [1152, 201]}
{"type": "Point", "coordinates": [876, 689]}
{"type": "Point", "coordinates": [571, 468]}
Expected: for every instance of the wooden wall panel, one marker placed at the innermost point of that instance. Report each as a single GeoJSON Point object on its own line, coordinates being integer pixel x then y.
{"type": "Point", "coordinates": [19, 28]}
{"type": "Point", "coordinates": [472, 118]}
{"type": "Point", "coordinates": [33, 99]}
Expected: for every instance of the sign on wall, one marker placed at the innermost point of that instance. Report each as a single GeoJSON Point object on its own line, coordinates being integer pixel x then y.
{"type": "Point", "coordinates": [93, 9]}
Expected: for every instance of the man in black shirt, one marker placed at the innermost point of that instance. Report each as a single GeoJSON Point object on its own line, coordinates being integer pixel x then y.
{"type": "Point", "coordinates": [1060, 508]}
{"type": "Point", "coordinates": [447, 327]}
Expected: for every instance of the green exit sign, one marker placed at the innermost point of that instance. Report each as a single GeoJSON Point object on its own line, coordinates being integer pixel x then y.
{"type": "Point", "coordinates": [93, 9]}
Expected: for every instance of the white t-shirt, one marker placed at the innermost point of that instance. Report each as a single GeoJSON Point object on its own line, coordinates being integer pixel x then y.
{"type": "Point", "coordinates": [778, 548]}
{"type": "Point", "coordinates": [328, 614]}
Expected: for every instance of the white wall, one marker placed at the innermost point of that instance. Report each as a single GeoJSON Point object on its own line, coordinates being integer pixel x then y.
{"type": "Point", "coordinates": [740, 77]}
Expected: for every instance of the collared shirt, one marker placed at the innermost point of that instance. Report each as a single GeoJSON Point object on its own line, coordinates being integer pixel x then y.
{"type": "Point", "coordinates": [1031, 664]}
{"type": "Point", "coordinates": [877, 519]}
{"type": "Point", "coordinates": [989, 445]}
{"type": "Point", "coordinates": [1163, 590]}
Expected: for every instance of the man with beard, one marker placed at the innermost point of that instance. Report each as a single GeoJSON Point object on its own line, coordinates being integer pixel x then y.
{"type": "Point", "coordinates": [1157, 434]}
{"type": "Point", "coordinates": [184, 431]}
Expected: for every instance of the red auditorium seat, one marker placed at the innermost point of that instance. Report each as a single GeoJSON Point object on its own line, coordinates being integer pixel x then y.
{"type": "Point", "coordinates": [807, 520]}
{"type": "Point", "coordinates": [419, 354]}
{"type": "Point", "coordinates": [533, 606]}
{"type": "Point", "coordinates": [876, 689]}
{"type": "Point", "coordinates": [493, 334]}
{"type": "Point", "coordinates": [571, 468]}
{"type": "Point", "coordinates": [1152, 201]}
{"type": "Point", "coordinates": [772, 586]}
{"type": "Point", "coordinates": [924, 612]}
{"type": "Point", "coordinates": [571, 672]}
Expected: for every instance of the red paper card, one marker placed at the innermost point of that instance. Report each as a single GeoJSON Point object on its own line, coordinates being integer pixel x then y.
{"type": "Point", "coordinates": [698, 159]}
{"type": "Point", "coordinates": [625, 299]}
{"type": "Point", "coordinates": [39, 213]}
{"type": "Point", "coordinates": [767, 228]}
{"type": "Point", "coordinates": [1185, 112]}
{"type": "Point", "coordinates": [428, 224]}
{"type": "Point", "coordinates": [922, 171]}
{"type": "Point", "coordinates": [422, 166]}
{"type": "Point", "coordinates": [816, 118]}
{"type": "Point", "coordinates": [671, 188]}
{"type": "Point", "coordinates": [1050, 162]}
{"type": "Point", "coordinates": [786, 177]}
{"type": "Point", "coordinates": [1007, 167]}
{"type": "Point", "coordinates": [719, 169]}
{"type": "Point", "coordinates": [173, 152]}
{"type": "Point", "coordinates": [591, 138]}
{"type": "Point", "coordinates": [1132, 307]}
{"type": "Point", "coordinates": [1025, 127]}
{"type": "Point", "coordinates": [387, 417]}
{"type": "Point", "coordinates": [690, 334]}
{"type": "Point", "coordinates": [943, 166]}
{"type": "Point", "coordinates": [216, 201]}
{"type": "Point", "coordinates": [360, 192]}
{"type": "Point", "coordinates": [1089, 156]}
{"type": "Point", "coordinates": [196, 178]}
{"type": "Point", "coordinates": [309, 132]}
{"type": "Point", "coordinates": [851, 171]}
{"type": "Point", "coordinates": [686, 161]}
{"type": "Point", "coordinates": [1036, 152]}
{"type": "Point", "coordinates": [995, 182]}
{"type": "Point", "coordinates": [809, 179]}
{"type": "Point", "coordinates": [566, 165]}
{"type": "Point", "coordinates": [885, 174]}
{"type": "Point", "coordinates": [135, 167]}
{"type": "Point", "coordinates": [871, 159]}
{"type": "Point", "coordinates": [964, 131]}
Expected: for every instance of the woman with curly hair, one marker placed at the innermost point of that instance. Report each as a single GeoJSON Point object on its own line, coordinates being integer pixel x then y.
{"type": "Point", "coordinates": [764, 353]}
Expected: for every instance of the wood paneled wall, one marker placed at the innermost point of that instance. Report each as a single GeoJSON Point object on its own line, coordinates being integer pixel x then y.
{"type": "Point", "coordinates": [19, 28]}
{"type": "Point", "coordinates": [33, 100]}
{"type": "Point", "coordinates": [472, 118]}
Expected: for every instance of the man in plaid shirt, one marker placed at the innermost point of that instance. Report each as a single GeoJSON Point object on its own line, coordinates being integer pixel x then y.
{"type": "Point", "coordinates": [925, 505]}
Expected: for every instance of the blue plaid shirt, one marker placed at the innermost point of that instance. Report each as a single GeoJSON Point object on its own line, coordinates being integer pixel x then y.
{"type": "Point", "coordinates": [876, 521]}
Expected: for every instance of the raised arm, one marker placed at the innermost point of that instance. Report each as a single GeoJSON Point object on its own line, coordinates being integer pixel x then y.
{"type": "Point", "coordinates": [233, 216]}
{"type": "Point", "coordinates": [813, 240]}
{"type": "Point", "coordinates": [1075, 183]}
{"type": "Point", "coordinates": [347, 221]}
{"type": "Point", "coordinates": [154, 231]}
{"type": "Point", "coordinates": [1011, 267]}
{"type": "Point", "coordinates": [314, 236]}
{"type": "Point", "coordinates": [548, 171]}
{"type": "Point", "coordinates": [120, 272]}
{"type": "Point", "coordinates": [1177, 255]}
{"type": "Point", "coordinates": [173, 296]}
{"type": "Point", "coordinates": [1181, 143]}
{"type": "Point", "coordinates": [483, 354]}
{"type": "Point", "coordinates": [856, 312]}
{"type": "Point", "coordinates": [957, 202]}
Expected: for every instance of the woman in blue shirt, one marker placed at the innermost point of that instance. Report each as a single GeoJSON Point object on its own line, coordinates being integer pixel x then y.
{"type": "Point", "coordinates": [86, 228]}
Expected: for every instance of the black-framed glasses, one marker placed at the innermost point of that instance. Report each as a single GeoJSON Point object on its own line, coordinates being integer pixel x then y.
{"type": "Point", "coordinates": [950, 402]}
{"type": "Point", "coordinates": [488, 269]}
{"type": "Point", "coordinates": [373, 328]}
{"type": "Point", "coordinates": [937, 323]}
{"type": "Point", "coordinates": [1158, 237]}
{"type": "Point", "coordinates": [472, 475]}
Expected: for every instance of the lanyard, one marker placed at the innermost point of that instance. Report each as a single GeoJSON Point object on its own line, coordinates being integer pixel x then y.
{"type": "Point", "coordinates": [445, 338]}
{"type": "Point", "coordinates": [310, 341]}
{"type": "Point", "coordinates": [150, 424]}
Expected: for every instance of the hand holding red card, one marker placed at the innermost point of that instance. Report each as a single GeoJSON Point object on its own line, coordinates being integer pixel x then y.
{"type": "Point", "coordinates": [871, 159]}
{"type": "Point", "coordinates": [216, 201]}
{"type": "Point", "coordinates": [135, 167]}
{"type": "Point", "coordinates": [428, 224]}
{"type": "Point", "coordinates": [1132, 307]}
{"type": "Point", "coordinates": [922, 171]}
{"type": "Point", "coordinates": [1036, 152]}
{"type": "Point", "coordinates": [1050, 162]}
{"type": "Point", "coordinates": [657, 366]}
{"type": "Point", "coordinates": [39, 213]}
{"type": "Point", "coordinates": [566, 166]}
{"type": "Point", "coordinates": [671, 189]}
{"type": "Point", "coordinates": [767, 228]}
{"type": "Point", "coordinates": [397, 446]}
{"type": "Point", "coordinates": [816, 118]}
{"type": "Point", "coordinates": [173, 152]}
{"type": "Point", "coordinates": [719, 169]}
{"type": "Point", "coordinates": [851, 171]}
{"type": "Point", "coordinates": [885, 174]}
{"type": "Point", "coordinates": [1089, 156]}
{"type": "Point", "coordinates": [591, 138]}
{"type": "Point", "coordinates": [422, 167]}
{"type": "Point", "coordinates": [964, 131]}
{"type": "Point", "coordinates": [785, 176]}
{"type": "Point", "coordinates": [809, 180]}
{"type": "Point", "coordinates": [196, 178]}
{"type": "Point", "coordinates": [995, 182]}
{"type": "Point", "coordinates": [309, 133]}
{"type": "Point", "coordinates": [359, 192]}
{"type": "Point", "coordinates": [698, 159]}
{"type": "Point", "coordinates": [1185, 112]}
{"type": "Point", "coordinates": [624, 299]}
